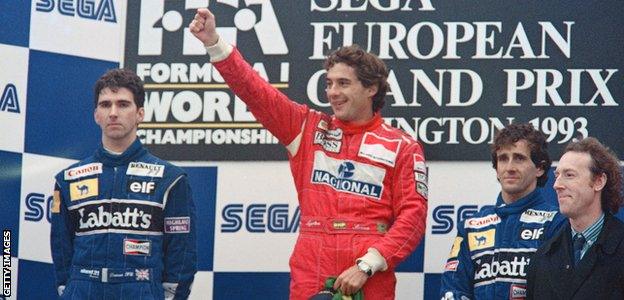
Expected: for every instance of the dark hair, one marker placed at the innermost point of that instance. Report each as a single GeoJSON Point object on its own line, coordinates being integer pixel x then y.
{"type": "Point", "coordinates": [603, 161]}
{"type": "Point", "coordinates": [121, 78]}
{"type": "Point", "coordinates": [535, 140]}
{"type": "Point", "coordinates": [369, 69]}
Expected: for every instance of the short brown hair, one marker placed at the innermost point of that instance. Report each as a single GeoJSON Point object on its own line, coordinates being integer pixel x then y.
{"type": "Point", "coordinates": [369, 69]}
{"type": "Point", "coordinates": [603, 161]}
{"type": "Point", "coordinates": [121, 78]}
{"type": "Point", "coordinates": [536, 141]}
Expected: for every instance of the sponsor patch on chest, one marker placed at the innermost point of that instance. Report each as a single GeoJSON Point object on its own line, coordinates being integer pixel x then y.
{"type": "Point", "coordinates": [83, 171]}
{"type": "Point", "coordinates": [379, 149]}
{"type": "Point", "coordinates": [348, 176]}
{"type": "Point", "coordinates": [481, 239]}
{"type": "Point", "coordinates": [145, 169]}
{"type": "Point", "coordinates": [83, 189]}
{"type": "Point", "coordinates": [517, 291]}
{"type": "Point", "coordinates": [329, 144]}
{"type": "Point", "coordinates": [537, 216]}
{"type": "Point", "coordinates": [508, 265]}
{"type": "Point", "coordinates": [137, 247]}
{"type": "Point", "coordinates": [529, 234]}
{"type": "Point", "coordinates": [142, 274]}
{"type": "Point", "coordinates": [481, 222]}
{"type": "Point", "coordinates": [119, 215]}
{"type": "Point", "coordinates": [141, 187]}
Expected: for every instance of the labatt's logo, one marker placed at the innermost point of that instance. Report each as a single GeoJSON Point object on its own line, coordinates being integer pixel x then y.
{"type": "Point", "coordinates": [514, 267]}
{"type": "Point", "coordinates": [130, 218]}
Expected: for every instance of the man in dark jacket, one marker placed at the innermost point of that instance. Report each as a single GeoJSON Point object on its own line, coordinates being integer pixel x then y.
{"type": "Point", "coordinates": [586, 259]}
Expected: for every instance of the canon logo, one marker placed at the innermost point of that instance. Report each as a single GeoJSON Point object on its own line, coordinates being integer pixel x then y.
{"type": "Point", "coordinates": [75, 172]}
{"type": "Point", "coordinates": [82, 171]}
{"type": "Point", "coordinates": [483, 221]}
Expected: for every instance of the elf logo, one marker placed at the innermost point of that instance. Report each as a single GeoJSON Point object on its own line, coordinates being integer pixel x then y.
{"type": "Point", "coordinates": [531, 234]}
{"type": "Point", "coordinates": [143, 187]}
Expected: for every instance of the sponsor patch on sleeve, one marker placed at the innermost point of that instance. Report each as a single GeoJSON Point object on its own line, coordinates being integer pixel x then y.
{"type": "Point", "coordinates": [178, 225]}
{"type": "Point", "coordinates": [451, 266]}
{"type": "Point", "coordinates": [481, 239]}
{"type": "Point", "coordinates": [456, 247]}
{"type": "Point", "coordinates": [422, 189]}
{"type": "Point", "coordinates": [379, 149]}
{"type": "Point", "coordinates": [83, 189]}
{"type": "Point", "coordinates": [137, 247]}
{"type": "Point", "coordinates": [420, 175]}
{"type": "Point", "coordinates": [419, 166]}
{"type": "Point", "coordinates": [56, 202]}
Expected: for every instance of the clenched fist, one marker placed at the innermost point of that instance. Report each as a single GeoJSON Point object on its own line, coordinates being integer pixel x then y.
{"type": "Point", "coordinates": [204, 26]}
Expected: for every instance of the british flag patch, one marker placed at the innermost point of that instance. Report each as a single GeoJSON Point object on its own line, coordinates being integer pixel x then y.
{"type": "Point", "coordinates": [141, 274]}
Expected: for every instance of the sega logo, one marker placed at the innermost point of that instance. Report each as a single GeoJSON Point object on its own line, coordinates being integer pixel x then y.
{"type": "Point", "coordinates": [445, 217]}
{"type": "Point", "coordinates": [87, 9]}
{"type": "Point", "coordinates": [38, 206]}
{"type": "Point", "coordinates": [8, 100]}
{"type": "Point", "coordinates": [259, 218]}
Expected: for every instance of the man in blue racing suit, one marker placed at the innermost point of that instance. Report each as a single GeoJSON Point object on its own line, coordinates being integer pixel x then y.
{"type": "Point", "coordinates": [490, 256]}
{"type": "Point", "coordinates": [122, 219]}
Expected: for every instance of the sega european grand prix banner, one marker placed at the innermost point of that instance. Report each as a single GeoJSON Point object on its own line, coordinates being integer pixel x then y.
{"type": "Point", "coordinates": [459, 70]}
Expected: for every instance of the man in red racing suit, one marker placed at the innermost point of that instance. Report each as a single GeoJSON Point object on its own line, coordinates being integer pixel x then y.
{"type": "Point", "coordinates": [361, 184]}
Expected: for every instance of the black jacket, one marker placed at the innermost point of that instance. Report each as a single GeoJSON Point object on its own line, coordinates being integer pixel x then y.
{"type": "Point", "coordinates": [599, 274]}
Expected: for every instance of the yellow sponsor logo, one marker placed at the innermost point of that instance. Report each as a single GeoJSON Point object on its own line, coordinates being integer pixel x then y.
{"type": "Point", "coordinates": [481, 240]}
{"type": "Point", "coordinates": [56, 202]}
{"type": "Point", "coordinates": [83, 189]}
{"type": "Point", "coordinates": [456, 247]}
{"type": "Point", "coordinates": [339, 225]}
